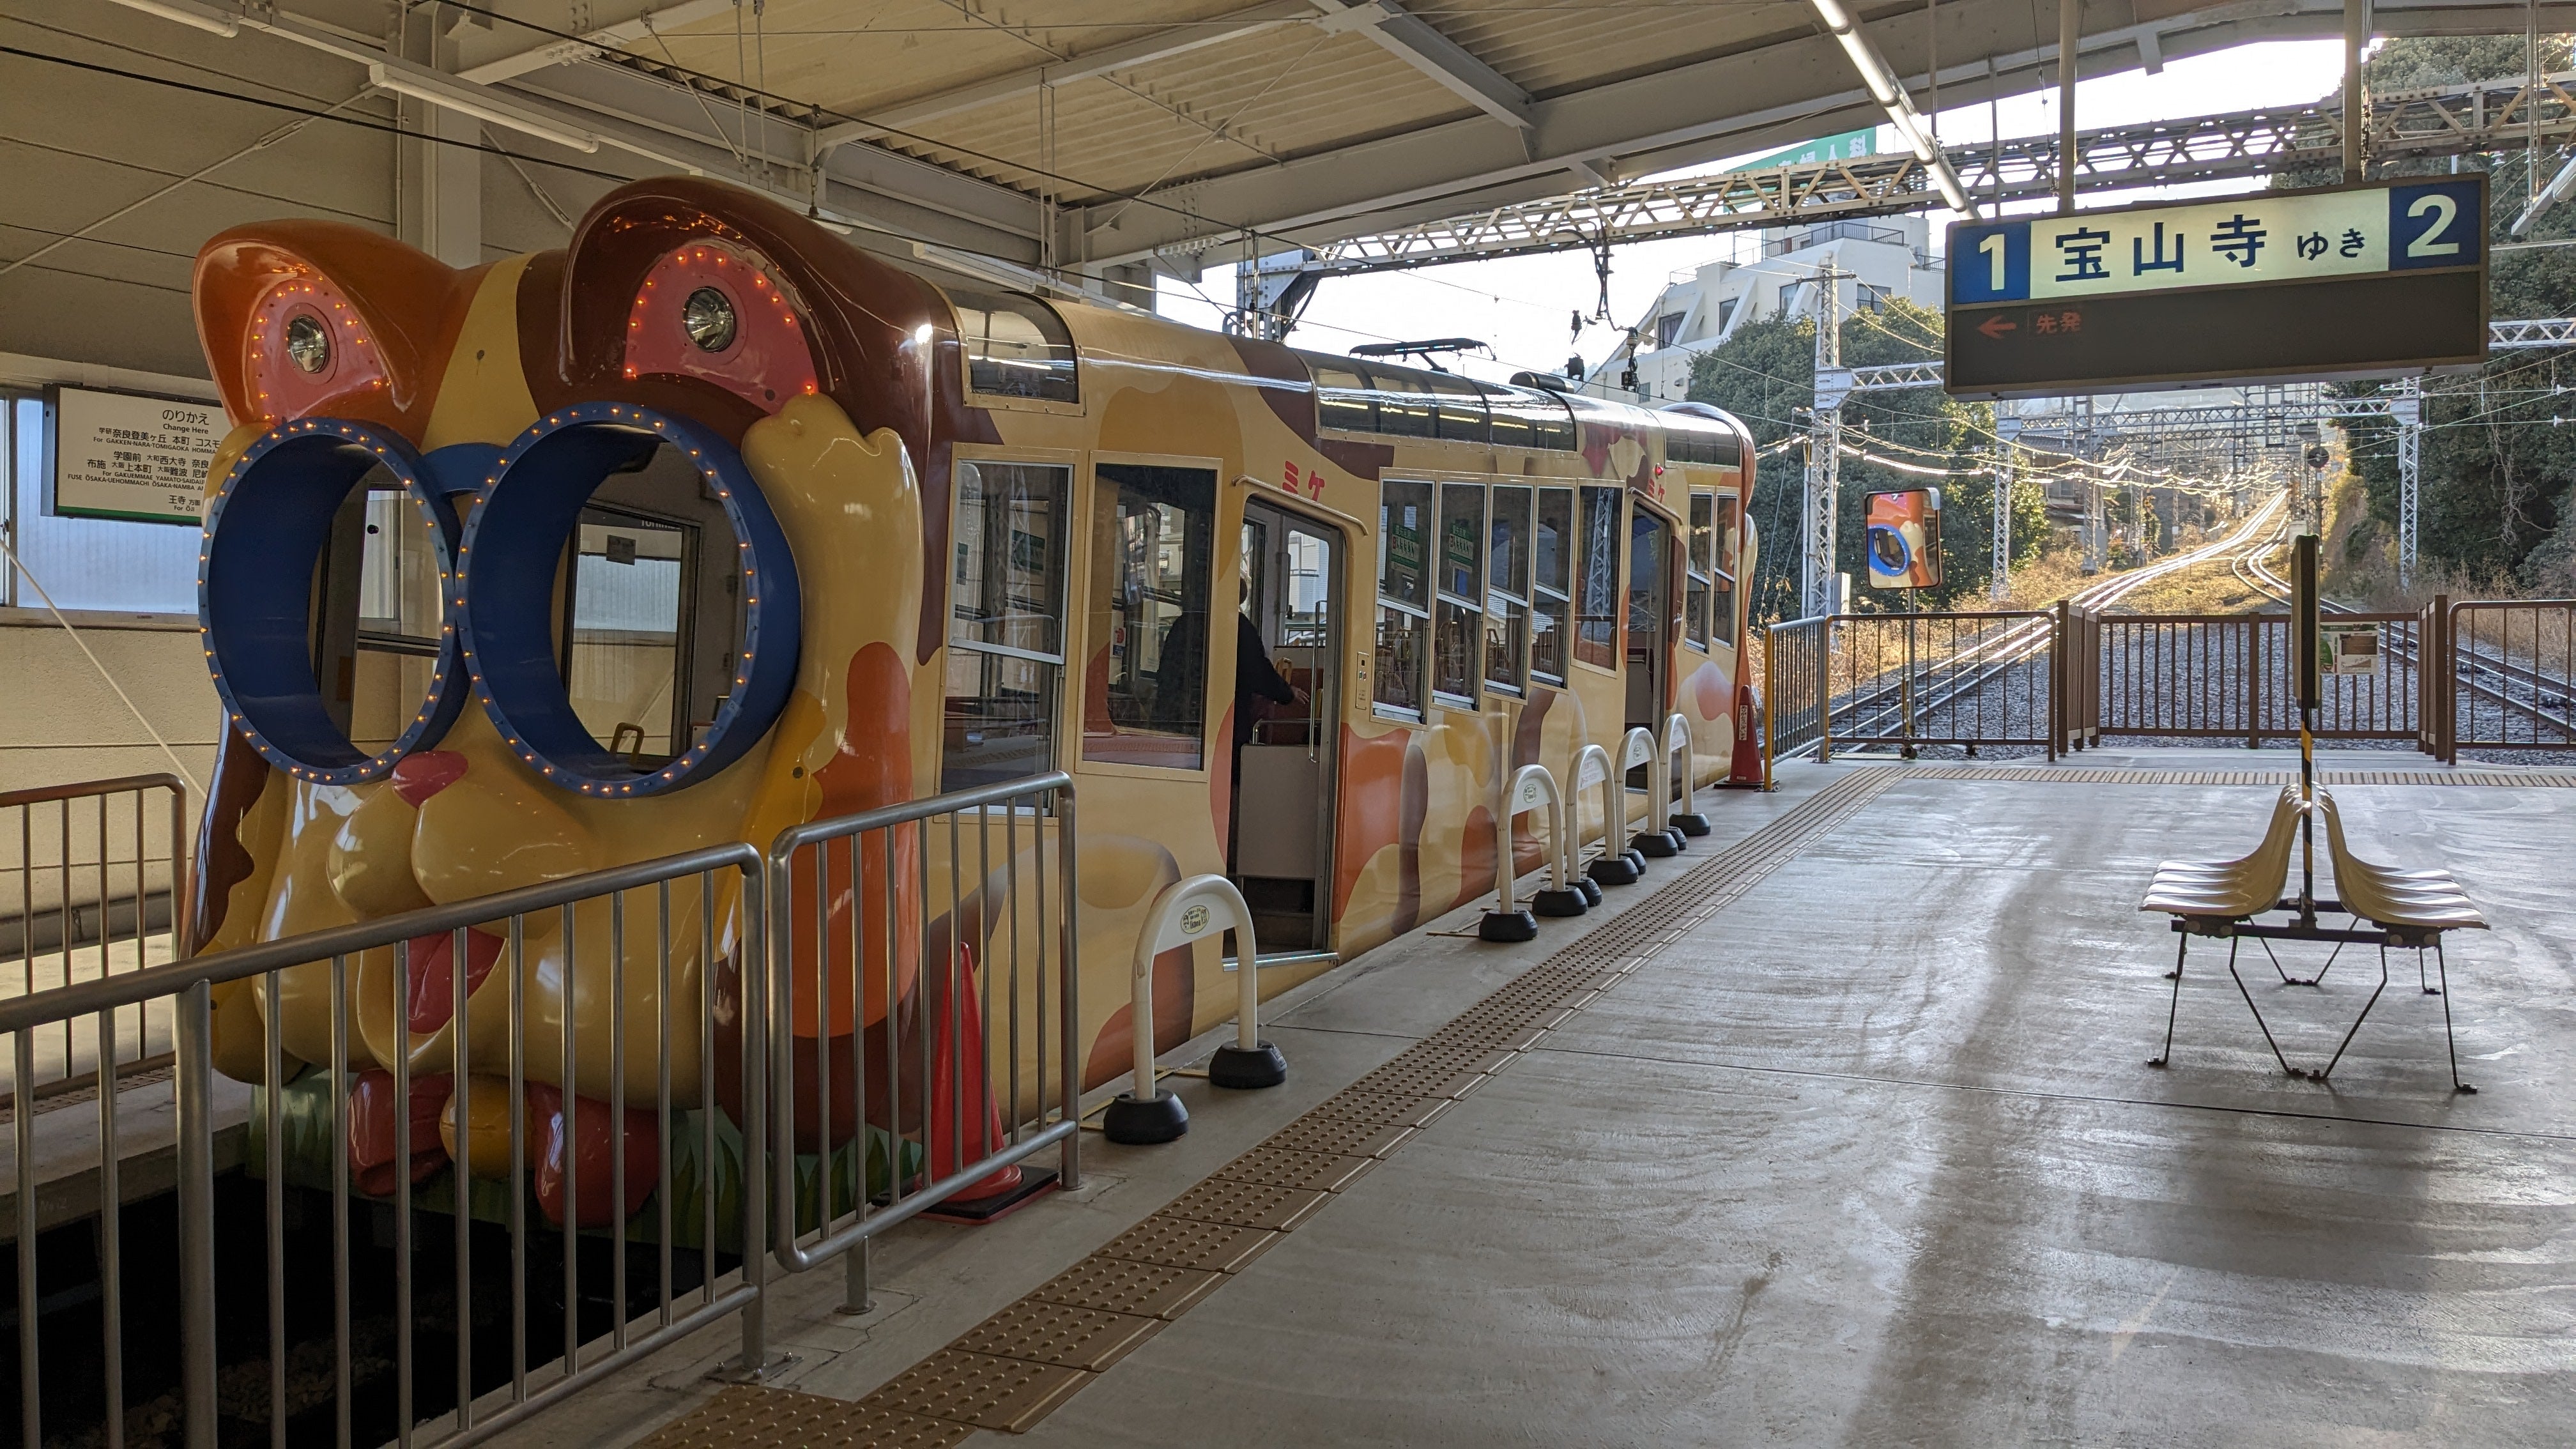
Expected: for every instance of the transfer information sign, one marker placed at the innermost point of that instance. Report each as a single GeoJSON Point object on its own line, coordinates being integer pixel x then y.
{"type": "Point", "coordinates": [143, 458]}
{"type": "Point", "coordinates": [2387, 277]}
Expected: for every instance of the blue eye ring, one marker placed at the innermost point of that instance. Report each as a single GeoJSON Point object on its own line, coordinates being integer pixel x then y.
{"type": "Point", "coordinates": [265, 531]}
{"type": "Point", "coordinates": [513, 542]}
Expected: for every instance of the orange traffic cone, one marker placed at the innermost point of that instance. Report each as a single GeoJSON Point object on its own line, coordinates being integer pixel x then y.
{"type": "Point", "coordinates": [965, 1125]}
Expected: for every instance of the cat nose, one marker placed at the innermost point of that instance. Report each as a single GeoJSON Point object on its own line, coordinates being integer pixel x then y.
{"type": "Point", "coordinates": [424, 773]}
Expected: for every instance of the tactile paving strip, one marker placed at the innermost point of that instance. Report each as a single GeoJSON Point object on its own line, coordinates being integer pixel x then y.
{"type": "Point", "coordinates": [1059, 1333]}
{"type": "Point", "coordinates": [1016, 1367]}
{"type": "Point", "coordinates": [1271, 1207]}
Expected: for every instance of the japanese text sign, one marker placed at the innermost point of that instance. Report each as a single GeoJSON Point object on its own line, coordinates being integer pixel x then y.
{"type": "Point", "coordinates": [2258, 238]}
{"type": "Point", "coordinates": [2386, 278]}
{"type": "Point", "coordinates": [143, 458]}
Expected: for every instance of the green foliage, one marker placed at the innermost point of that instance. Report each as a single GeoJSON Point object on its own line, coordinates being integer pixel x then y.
{"type": "Point", "coordinates": [1765, 374]}
{"type": "Point", "coordinates": [2496, 467]}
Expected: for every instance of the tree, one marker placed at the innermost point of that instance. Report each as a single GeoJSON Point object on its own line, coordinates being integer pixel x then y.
{"type": "Point", "coordinates": [1765, 374]}
{"type": "Point", "coordinates": [2496, 465]}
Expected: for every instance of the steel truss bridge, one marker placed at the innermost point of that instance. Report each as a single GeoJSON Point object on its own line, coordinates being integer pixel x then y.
{"type": "Point", "coordinates": [2495, 115]}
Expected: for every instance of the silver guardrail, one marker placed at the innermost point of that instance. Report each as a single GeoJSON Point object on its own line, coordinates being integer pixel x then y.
{"type": "Point", "coordinates": [93, 882]}
{"type": "Point", "coordinates": [581, 939]}
{"type": "Point", "coordinates": [853, 910]}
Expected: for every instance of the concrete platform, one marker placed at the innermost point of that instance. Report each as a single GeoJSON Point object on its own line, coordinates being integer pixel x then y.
{"type": "Point", "coordinates": [1871, 1156]}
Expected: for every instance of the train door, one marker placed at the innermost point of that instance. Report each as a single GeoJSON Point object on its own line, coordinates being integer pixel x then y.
{"type": "Point", "coordinates": [1281, 852]}
{"type": "Point", "coordinates": [1650, 611]}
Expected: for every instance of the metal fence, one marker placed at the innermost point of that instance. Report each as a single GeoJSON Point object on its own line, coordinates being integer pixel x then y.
{"type": "Point", "coordinates": [2513, 682]}
{"type": "Point", "coordinates": [2227, 677]}
{"type": "Point", "coordinates": [1941, 678]}
{"type": "Point", "coordinates": [1794, 656]}
{"type": "Point", "coordinates": [851, 902]}
{"type": "Point", "coordinates": [93, 882]}
{"type": "Point", "coordinates": [411, 1180]}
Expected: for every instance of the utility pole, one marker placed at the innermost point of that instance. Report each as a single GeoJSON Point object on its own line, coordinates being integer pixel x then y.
{"type": "Point", "coordinates": [2356, 37]}
{"type": "Point", "coordinates": [2007, 469]}
{"type": "Point", "coordinates": [2070, 31]}
{"type": "Point", "coordinates": [2097, 529]}
{"type": "Point", "coordinates": [2406, 407]}
{"type": "Point", "coordinates": [1824, 451]}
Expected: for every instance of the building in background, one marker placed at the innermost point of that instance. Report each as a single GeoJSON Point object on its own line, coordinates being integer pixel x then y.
{"type": "Point", "coordinates": [1877, 259]}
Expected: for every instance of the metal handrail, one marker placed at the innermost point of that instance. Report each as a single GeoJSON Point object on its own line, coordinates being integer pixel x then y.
{"type": "Point", "coordinates": [780, 953]}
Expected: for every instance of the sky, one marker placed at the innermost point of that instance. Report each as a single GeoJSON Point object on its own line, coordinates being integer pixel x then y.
{"type": "Point", "coordinates": [1522, 305]}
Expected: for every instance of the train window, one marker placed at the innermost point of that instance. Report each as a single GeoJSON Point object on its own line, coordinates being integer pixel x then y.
{"type": "Point", "coordinates": [1551, 557]}
{"type": "Point", "coordinates": [1015, 347]}
{"type": "Point", "coordinates": [1709, 449]}
{"type": "Point", "coordinates": [1507, 575]}
{"type": "Point", "coordinates": [1457, 615]}
{"type": "Point", "coordinates": [1403, 403]}
{"type": "Point", "coordinates": [1460, 406]}
{"type": "Point", "coordinates": [1342, 397]}
{"type": "Point", "coordinates": [1550, 424]}
{"type": "Point", "coordinates": [1703, 507]}
{"type": "Point", "coordinates": [1005, 636]}
{"type": "Point", "coordinates": [1151, 552]}
{"type": "Point", "coordinates": [1596, 620]}
{"type": "Point", "coordinates": [1726, 539]}
{"type": "Point", "coordinates": [1403, 593]}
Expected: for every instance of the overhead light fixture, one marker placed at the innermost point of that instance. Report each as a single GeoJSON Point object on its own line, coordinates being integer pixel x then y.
{"type": "Point", "coordinates": [1891, 98]}
{"type": "Point", "coordinates": [422, 84]}
{"type": "Point", "coordinates": [187, 12]}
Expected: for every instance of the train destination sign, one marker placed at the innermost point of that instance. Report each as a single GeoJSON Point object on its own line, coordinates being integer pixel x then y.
{"type": "Point", "coordinates": [2346, 281]}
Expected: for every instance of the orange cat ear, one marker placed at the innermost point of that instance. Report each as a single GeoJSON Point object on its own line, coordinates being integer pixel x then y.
{"type": "Point", "coordinates": [322, 319]}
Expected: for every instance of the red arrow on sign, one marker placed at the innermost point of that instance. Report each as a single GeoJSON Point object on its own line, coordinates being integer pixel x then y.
{"type": "Point", "coordinates": [1995, 327]}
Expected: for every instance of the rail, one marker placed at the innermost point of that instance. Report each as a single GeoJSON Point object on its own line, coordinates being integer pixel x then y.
{"type": "Point", "coordinates": [93, 882]}
{"type": "Point", "coordinates": [1795, 707]}
{"type": "Point", "coordinates": [357, 1043]}
{"type": "Point", "coordinates": [1965, 678]}
{"type": "Point", "coordinates": [887, 1014]}
{"type": "Point", "coordinates": [2510, 687]}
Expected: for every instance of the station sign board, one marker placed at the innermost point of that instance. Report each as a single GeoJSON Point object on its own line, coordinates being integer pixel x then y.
{"type": "Point", "coordinates": [1845, 146]}
{"type": "Point", "coordinates": [138, 458]}
{"type": "Point", "coordinates": [2385, 278]}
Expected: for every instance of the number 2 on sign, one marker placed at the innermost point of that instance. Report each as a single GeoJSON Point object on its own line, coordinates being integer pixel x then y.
{"type": "Point", "coordinates": [2424, 245]}
{"type": "Point", "coordinates": [1313, 487]}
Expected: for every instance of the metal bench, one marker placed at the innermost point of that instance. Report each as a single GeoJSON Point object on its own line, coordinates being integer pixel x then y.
{"type": "Point", "coordinates": [2222, 899]}
{"type": "Point", "coordinates": [2411, 908]}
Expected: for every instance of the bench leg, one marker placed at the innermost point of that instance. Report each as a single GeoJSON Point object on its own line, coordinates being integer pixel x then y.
{"type": "Point", "coordinates": [2182, 948]}
{"type": "Point", "coordinates": [2444, 966]}
{"type": "Point", "coordinates": [2320, 978]}
{"type": "Point", "coordinates": [2286, 978]}
{"type": "Point", "coordinates": [2258, 1013]}
{"type": "Point", "coordinates": [2365, 1016]}
{"type": "Point", "coordinates": [2428, 987]}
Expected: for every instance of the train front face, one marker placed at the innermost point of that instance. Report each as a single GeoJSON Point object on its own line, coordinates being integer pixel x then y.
{"type": "Point", "coordinates": [567, 562]}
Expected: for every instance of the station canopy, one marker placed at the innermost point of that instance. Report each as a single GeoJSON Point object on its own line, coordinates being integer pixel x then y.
{"type": "Point", "coordinates": [1181, 133]}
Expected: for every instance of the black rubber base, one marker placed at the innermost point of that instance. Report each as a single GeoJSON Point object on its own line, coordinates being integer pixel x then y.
{"type": "Point", "coordinates": [1033, 1181]}
{"type": "Point", "coordinates": [1690, 822]}
{"type": "Point", "coordinates": [1637, 858]}
{"type": "Point", "coordinates": [1614, 870]}
{"type": "Point", "coordinates": [1242, 1070]}
{"type": "Point", "coordinates": [1680, 840]}
{"type": "Point", "coordinates": [1142, 1124]}
{"type": "Point", "coordinates": [1507, 926]}
{"type": "Point", "coordinates": [1589, 889]}
{"type": "Point", "coordinates": [1656, 845]}
{"type": "Point", "coordinates": [1567, 902]}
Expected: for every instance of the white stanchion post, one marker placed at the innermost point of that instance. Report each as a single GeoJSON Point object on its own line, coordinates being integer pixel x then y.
{"type": "Point", "coordinates": [1677, 742]}
{"type": "Point", "coordinates": [1615, 865]}
{"type": "Point", "coordinates": [1639, 747]}
{"type": "Point", "coordinates": [1531, 787]}
{"type": "Point", "coordinates": [1184, 913]}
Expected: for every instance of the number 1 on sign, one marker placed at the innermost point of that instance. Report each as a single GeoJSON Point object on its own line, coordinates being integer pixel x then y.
{"type": "Point", "coordinates": [1993, 248]}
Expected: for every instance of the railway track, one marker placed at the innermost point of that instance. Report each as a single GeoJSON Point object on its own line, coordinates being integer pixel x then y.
{"type": "Point", "coordinates": [2487, 673]}
{"type": "Point", "coordinates": [1882, 708]}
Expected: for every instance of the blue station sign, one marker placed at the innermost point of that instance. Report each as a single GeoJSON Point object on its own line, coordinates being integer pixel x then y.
{"type": "Point", "coordinates": [2387, 277]}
